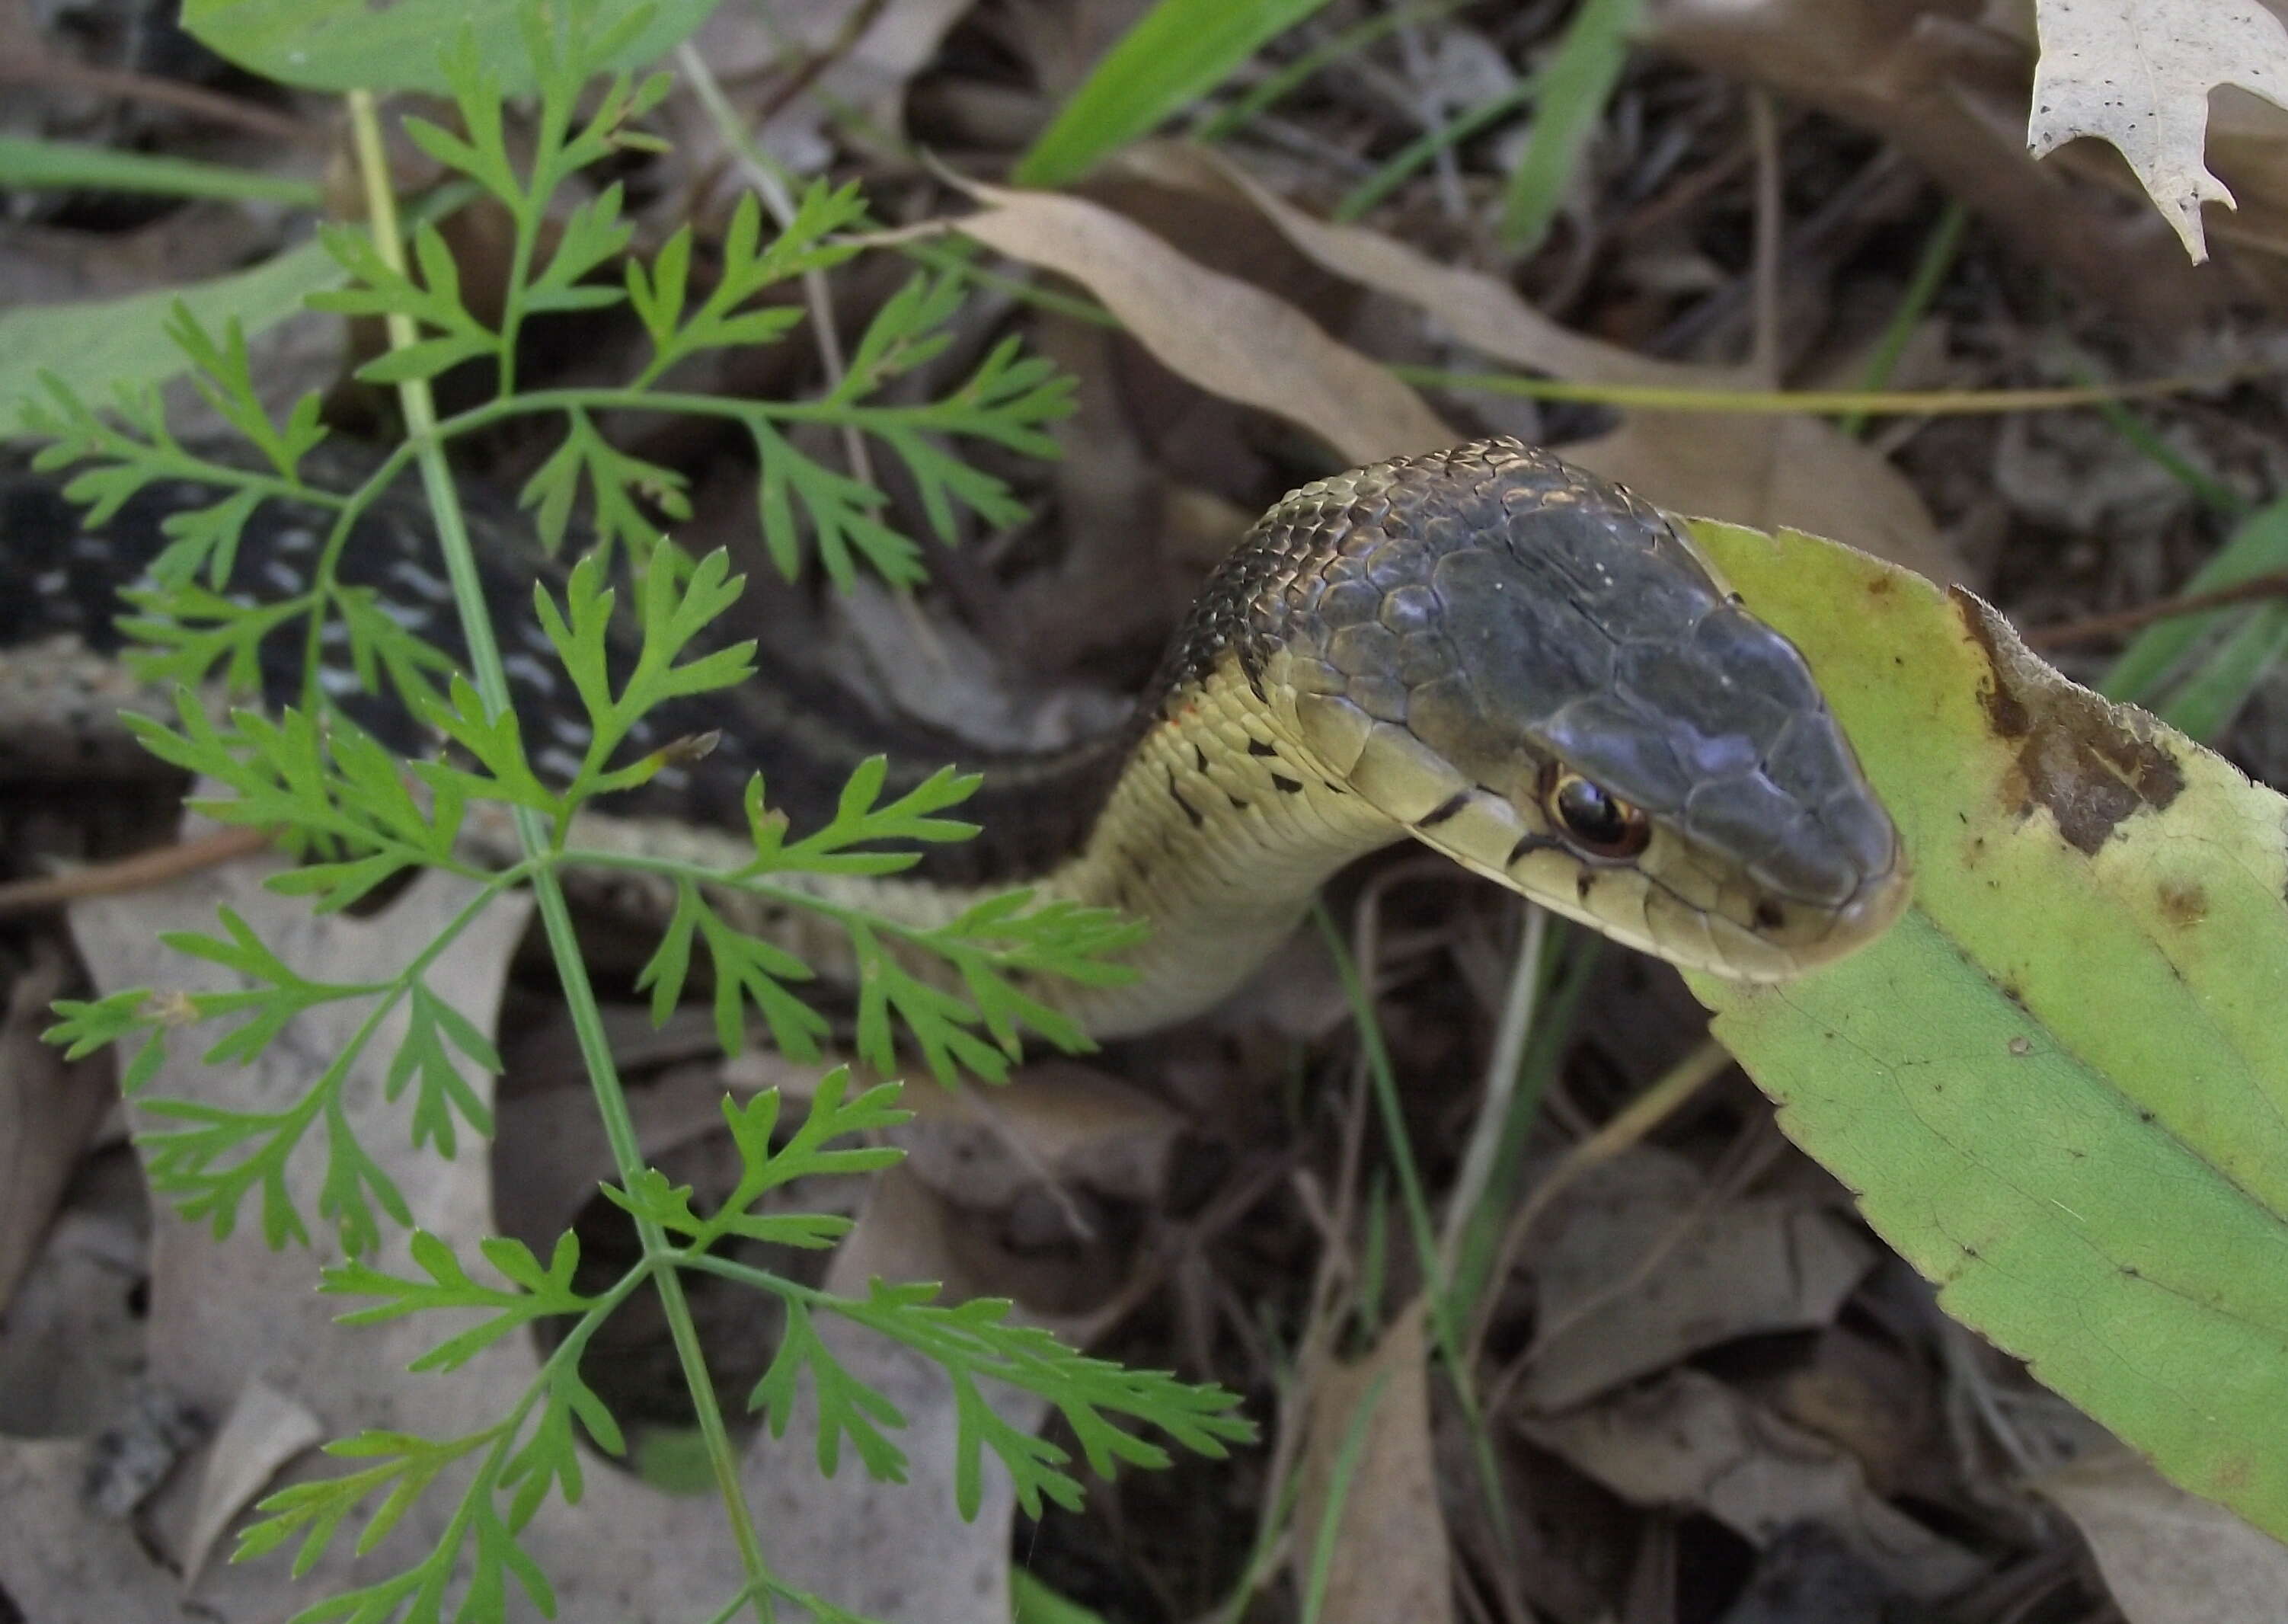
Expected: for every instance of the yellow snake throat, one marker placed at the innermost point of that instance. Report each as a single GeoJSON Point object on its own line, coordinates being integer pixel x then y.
{"type": "Point", "coordinates": [1517, 665]}
{"type": "Point", "coordinates": [1449, 647]}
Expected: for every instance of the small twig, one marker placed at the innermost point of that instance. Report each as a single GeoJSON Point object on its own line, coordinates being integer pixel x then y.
{"type": "Point", "coordinates": [1771, 234]}
{"type": "Point", "coordinates": [46, 70]}
{"type": "Point", "coordinates": [2090, 628]}
{"type": "Point", "coordinates": [138, 873]}
{"type": "Point", "coordinates": [770, 185]}
{"type": "Point", "coordinates": [863, 17]}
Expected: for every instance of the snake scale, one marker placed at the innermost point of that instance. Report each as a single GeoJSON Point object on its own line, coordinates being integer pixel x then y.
{"type": "Point", "coordinates": [1512, 662]}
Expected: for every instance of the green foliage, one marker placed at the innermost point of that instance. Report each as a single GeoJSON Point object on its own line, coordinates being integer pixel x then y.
{"type": "Point", "coordinates": [2196, 670]}
{"type": "Point", "coordinates": [1176, 53]}
{"type": "Point", "coordinates": [28, 163]}
{"type": "Point", "coordinates": [974, 1342]}
{"type": "Point", "coordinates": [1572, 90]}
{"type": "Point", "coordinates": [962, 994]}
{"type": "Point", "coordinates": [98, 346]}
{"type": "Point", "coordinates": [351, 45]}
{"type": "Point", "coordinates": [2056, 1084]}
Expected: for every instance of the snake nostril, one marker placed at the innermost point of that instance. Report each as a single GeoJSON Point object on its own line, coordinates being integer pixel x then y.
{"type": "Point", "coordinates": [1769, 915]}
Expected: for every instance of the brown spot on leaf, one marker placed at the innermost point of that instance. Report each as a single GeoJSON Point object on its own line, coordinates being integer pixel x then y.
{"type": "Point", "coordinates": [2090, 763]}
{"type": "Point", "coordinates": [2184, 901]}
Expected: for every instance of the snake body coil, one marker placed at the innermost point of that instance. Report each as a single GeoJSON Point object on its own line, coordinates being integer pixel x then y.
{"type": "Point", "coordinates": [1515, 664]}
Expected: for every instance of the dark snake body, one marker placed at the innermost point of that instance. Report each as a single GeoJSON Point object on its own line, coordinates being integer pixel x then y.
{"type": "Point", "coordinates": [1467, 647]}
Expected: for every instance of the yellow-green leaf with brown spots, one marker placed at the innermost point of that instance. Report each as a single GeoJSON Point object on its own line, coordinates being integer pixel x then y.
{"type": "Point", "coordinates": [2060, 1085]}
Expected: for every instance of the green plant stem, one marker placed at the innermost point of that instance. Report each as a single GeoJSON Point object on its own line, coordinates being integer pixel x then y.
{"type": "Point", "coordinates": [1814, 402]}
{"type": "Point", "coordinates": [1931, 267]}
{"type": "Point", "coordinates": [2212, 491]}
{"type": "Point", "coordinates": [1428, 145]}
{"type": "Point", "coordinates": [491, 680]}
{"type": "Point", "coordinates": [1276, 87]}
{"type": "Point", "coordinates": [1438, 1296]}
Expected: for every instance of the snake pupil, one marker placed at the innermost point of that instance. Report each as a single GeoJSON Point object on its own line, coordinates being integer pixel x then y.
{"type": "Point", "coordinates": [1599, 821]}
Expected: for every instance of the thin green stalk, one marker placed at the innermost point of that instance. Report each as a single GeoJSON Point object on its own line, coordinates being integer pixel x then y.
{"type": "Point", "coordinates": [1529, 971]}
{"type": "Point", "coordinates": [1428, 145]}
{"type": "Point", "coordinates": [1559, 1005]}
{"type": "Point", "coordinates": [1277, 86]}
{"type": "Point", "coordinates": [1816, 403]}
{"type": "Point", "coordinates": [1341, 1479]}
{"type": "Point", "coordinates": [1439, 1299]}
{"type": "Point", "coordinates": [491, 680]}
{"type": "Point", "coordinates": [1931, 267]}
{"type": "Point", "coordinates": [2212, 491]}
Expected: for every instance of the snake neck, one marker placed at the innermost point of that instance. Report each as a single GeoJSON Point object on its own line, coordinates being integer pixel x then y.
{"type": "Point", "coordinates": [1217, 835]}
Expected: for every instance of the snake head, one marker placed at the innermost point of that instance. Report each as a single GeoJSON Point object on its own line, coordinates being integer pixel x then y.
{"type": "Point", "coordinates": [1532, 672]}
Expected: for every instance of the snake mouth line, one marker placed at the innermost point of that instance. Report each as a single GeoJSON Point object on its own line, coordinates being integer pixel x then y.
{"type": "Point", "coordinates": [1768, 938]}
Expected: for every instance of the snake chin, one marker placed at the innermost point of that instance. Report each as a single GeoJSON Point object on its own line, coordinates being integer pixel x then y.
{"type": "Point", "coordinates": [1675, 901]}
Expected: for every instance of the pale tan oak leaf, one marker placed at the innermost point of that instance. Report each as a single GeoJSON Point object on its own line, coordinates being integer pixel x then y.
{"type": "Point", "coordinates": [2138, 73]}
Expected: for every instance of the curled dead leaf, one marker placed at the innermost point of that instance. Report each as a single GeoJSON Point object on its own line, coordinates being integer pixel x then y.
{"type": "Point", "coordinates": [1229, 337]}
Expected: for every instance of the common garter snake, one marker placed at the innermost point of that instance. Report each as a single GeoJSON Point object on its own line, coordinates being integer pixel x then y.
{"type": "Point", "coordinates": [1515, 664]}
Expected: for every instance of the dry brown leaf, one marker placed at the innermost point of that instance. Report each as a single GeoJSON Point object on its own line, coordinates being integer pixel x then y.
{"type": "Point", "coordinates": [1636, 1271]}
{"type": "Point", "coordinates": [2138, 73]}
{"type": "Point", "coordinates": [1057, 1121]}
{"type": "Point", "coordinates": [1689, 1440]}
{"type": "Point", "coordinates": [225, 1316]}
{"type": "Point", "coordinates": [71, 1344]}
{"type": "Point", "coordinates": [1481, 311]}
{"type": "Point", "coordinates": [1229, 337]}
{"type": "Point", "coordinates": [2169, 1557]}
{"type": "Point", "coordinates": [1389, 1558]}
{"type": "Point", "coordinates": [1767, 471]}
{"type": "Point", "coordinates": [2248, 148]}
{"type": "Point", "coordinates": [48, 1112]}
{"type": "Point", "coordinates": [265, 1430]}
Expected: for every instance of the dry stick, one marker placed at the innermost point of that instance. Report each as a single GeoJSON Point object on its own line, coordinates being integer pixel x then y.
{"type": "Point", "coordinates": [2093, 626]}
{"type": "Point", "coordinates": [1639, 1118]}
{"type": "Point", "coordinates": [863, 17]}
{"type": "Point", "coordinates": [770, 186]}
{"type": "Point", "coordinates": [46, 70]}
{"type": "Point", "coordinates": [1771, 232]}
{"type": "Point", "coordinates": [138, 873]}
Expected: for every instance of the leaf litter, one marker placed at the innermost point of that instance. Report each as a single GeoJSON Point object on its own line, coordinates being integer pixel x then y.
{"type": "Point", "coordinates": [237, 1337]}
{"type": "Point", "coordinates": [1010, 1192]}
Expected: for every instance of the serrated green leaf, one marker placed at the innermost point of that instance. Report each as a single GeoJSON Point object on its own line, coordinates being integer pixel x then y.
{"type": "Point", "coordinates": [847, 1406]}
{"type": "Point", "coordinates": [2056, 1084]}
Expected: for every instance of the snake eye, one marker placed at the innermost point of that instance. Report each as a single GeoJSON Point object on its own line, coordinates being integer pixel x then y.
{"type": "Point", "coordinates": [1597, 821]}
